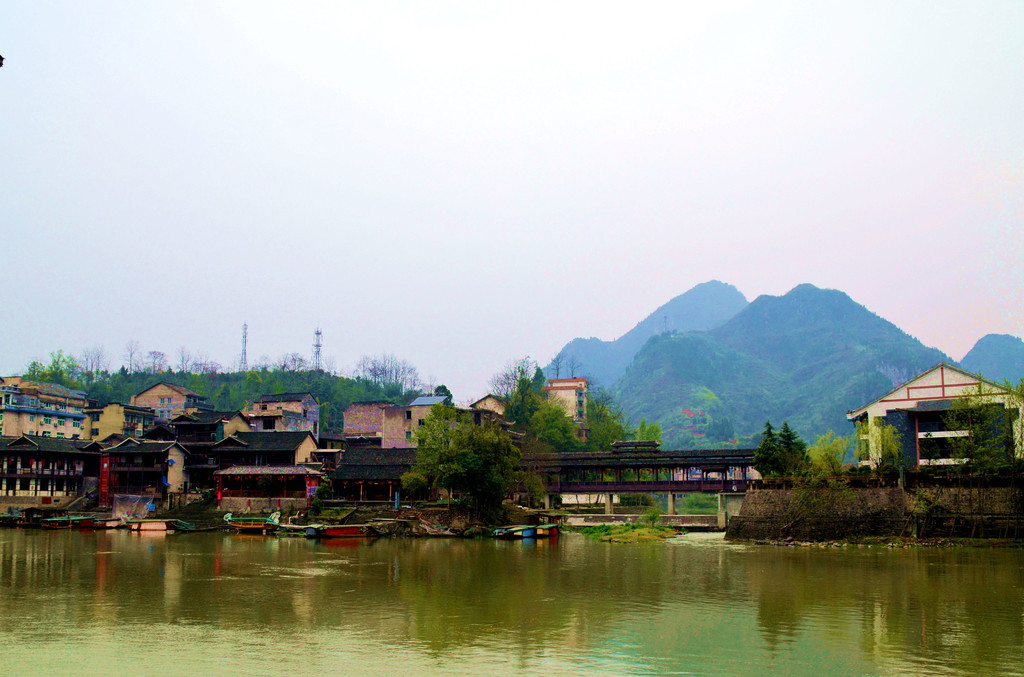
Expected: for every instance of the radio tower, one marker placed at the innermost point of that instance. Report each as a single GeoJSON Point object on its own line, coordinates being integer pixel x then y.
{"type": "Point", "coordinates": [244, 364]}
{"type": "Point", "coordinates": [318, 343]}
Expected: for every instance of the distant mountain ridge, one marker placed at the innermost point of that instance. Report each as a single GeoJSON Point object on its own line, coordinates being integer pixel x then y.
{"type": "Point", "coordinates": [997, 357]}
{"type": "Point", "coordinates": [703, 307]}
{"type": "Point", "coordinates": [805, 357]}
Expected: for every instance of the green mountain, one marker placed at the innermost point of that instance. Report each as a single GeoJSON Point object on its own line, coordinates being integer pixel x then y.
{"type": "Point", "coordinates": [806, 357]}
{"type": "Point", "coordinates": [707, 305]}
{"type": "Point", "coordinates": [997, 357]}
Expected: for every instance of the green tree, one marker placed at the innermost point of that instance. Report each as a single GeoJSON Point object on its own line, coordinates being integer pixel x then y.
{"type": "Point", "coordinates": [442, 391]}
{"type": "Point", "coordinates": [881, 444]}
{"type": "Point", "coordinates": [768, 456]}
{"type": "Point", "coordinates": [605, 424]}
{"type": "Point", "coordinates": [828, 454]}
{"type": "Point", "coordinates": [650, 432]}
{"type": "Point", "coordinates": [437, 463]}
{"type": "Point", "coordinates": [794, 450]}
{"type": "Point", "coordinates": [552, 427]}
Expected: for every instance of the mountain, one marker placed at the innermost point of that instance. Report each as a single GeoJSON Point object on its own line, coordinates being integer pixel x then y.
{"type": "Point", "coordinates": [705, 306]}
{"type": "Point", "coordinates": [806, 357]}
{"type": "Point", "coordinates": [997, 357]}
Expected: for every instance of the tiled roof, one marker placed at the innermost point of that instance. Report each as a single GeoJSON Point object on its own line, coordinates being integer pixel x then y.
{"type": "Point", "coordinates": [284, 397]}
{"type": "Point", "coordinates": [50, 444]}
{"type": "Point", "coordinates": [205, 416]}
{"type": "Point", "coordinates": [374, 464]}
{"type": "Point", "coordinates": [182, 390]}
{"type": "Point", "coordinates": [269, 470]}
{"type": "Point", "coordinates": [267, 441]}
{"type": "Point", "coordinates": [133, 446]}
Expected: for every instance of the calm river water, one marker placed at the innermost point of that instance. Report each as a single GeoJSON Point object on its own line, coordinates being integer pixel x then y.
{"type": "Point", "coordinates": [117, 603]}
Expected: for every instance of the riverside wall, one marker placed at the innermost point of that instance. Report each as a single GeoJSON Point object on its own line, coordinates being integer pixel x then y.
{"type": "Point", "coordinates": [842, 512]}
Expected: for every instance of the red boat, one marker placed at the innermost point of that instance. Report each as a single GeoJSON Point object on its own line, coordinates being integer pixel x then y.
{"type": "Point", "coordinates": [336, 530]}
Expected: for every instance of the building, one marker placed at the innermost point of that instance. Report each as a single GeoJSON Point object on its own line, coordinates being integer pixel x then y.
{"type": "Point", "coordinates": [369, 474]}
{"type": "Point", "coordinates": [247, 449]}
{"type": "Point", "coordinates": [919, 408]}
{"type": "Point", "coordinates": [387, 425]}
{"type": "Point", "coordinates": [571, 395]}
{"type": "Point", "coordinates": [41, 409]}
{"type": "Point", "coordinates": [266, 488]}
{"type": "Point", "coordinates": [142, 468]}
{"type": "Point", "coordinates": [117, 420]}
{"type": "Point", "coordinates": [288, 412]}
{"type": "Point", "coordinates": [491, 403]}
{"type": "Point", "coordinates": [169, 400]}
{"type": "Point", "coordinates": [37, 470]}
{"type": "Point", "coordinates": [208, 426]}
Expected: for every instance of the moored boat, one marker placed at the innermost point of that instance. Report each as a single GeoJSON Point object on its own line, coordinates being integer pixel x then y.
{"type": "Point", "coordinates": [516, 532]}
{"type": "Point", "coordinates": [340, 530]}
{"type": "Point", "coordinates": [252, 524]}
{"type": "Point", "coordinates": [159, 525]}
{"type": "Point", "coordinates": [547, 530]}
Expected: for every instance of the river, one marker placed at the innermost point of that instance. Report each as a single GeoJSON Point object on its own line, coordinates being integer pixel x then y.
{"type": "Point", "coordinates": [120, 603]}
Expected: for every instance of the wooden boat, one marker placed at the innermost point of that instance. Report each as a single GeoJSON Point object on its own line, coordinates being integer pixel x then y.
{"type": "Point", "coordinates": [159, 525]}
{"type": "Point", "coordinates": [516, 532]}
{"type": "Point", "coordinates": [107, 522]}
{"type": "Point", "coordinates": [340, 530]}
{"type": "Point", "coordinates": [252, 524]}
{"type": "Point", "coordinates": [547, 530]}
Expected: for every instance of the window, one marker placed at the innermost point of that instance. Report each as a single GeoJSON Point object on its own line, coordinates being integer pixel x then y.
{"type": "Point", "coordinates": [408, 414]}
{"type": "Point", "coordinates": [408, 434]}
{"type": "Point", "coordinates": [419, 422]}
{"type": "Point", "coordinates": [47, 420]}
{"type": "Point", "coordinates": [46, 433]}
{"type": "Point", "coordinates": [31, 417]}
{"type": "Point", "coordinates": [76, 424]}
{"type": "Point", "coordinates": [60, 435]}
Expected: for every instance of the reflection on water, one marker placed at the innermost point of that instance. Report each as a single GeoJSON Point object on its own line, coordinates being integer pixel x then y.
{"type": "Point", "coordinates": [111, 601]}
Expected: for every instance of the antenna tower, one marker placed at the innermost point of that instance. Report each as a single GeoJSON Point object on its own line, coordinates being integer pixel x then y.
{"type": "Point", "coordinates": [318, 343]}
{"type": "Point", "coordinates": [244, 363]}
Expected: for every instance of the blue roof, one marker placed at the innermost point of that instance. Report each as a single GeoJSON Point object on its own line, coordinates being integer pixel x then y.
{"type": "Point", "coordinates": [427, 401]}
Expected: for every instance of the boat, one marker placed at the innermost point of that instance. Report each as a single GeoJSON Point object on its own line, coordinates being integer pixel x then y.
{"type": "Point", "coordinates": [159, 525]}
{"type": "Point", "coordinates": [253, 524]}
{"type": "Point", "coordinates": [515, 532]}
{"type": "Point", "coordinates": [68, 522]}
{"type": "Point", "coordinates": [107, 522]}
{"type": "Point", "coordinates": [547, 530]}
{"type": "Point", "coordinates": [340, 530]}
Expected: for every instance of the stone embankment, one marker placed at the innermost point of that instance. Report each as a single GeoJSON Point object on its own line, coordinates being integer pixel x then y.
{"type": "Point", "coordinates": [836, 512]}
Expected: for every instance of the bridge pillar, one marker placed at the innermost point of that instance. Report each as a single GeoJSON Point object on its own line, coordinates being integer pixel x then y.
{"type": "Point", "coordinates": [608, 506]}
{"type": "Point", "coordinates": [671, 503]}
{"type": "Point", "coordinates": [547, 501]}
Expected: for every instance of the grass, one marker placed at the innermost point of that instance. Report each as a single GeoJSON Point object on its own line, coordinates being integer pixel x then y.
{"type": "Point", "coordinates": [628, 533]}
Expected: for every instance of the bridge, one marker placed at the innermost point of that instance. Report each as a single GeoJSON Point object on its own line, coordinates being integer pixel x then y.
{"type": "Point", "coordinates": [642, 468]}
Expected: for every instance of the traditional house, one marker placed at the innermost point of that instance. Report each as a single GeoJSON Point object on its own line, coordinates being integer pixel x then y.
{"type": "Point", "coordinates": [208, 426]}
{"type": "Point", "coordinates": [247, 449]}
{"type": "Point", "coordinates": [288, 412]}
{"type": "Point", "coordinates": [142, 468]}
{"type": "Point", "coordinates": [169, 400]}
{"type": "Point", "coordinates": [41, 409]}
{"type": "Point", "coordinates": [265, 488]}
{"type": "Point", "coordinates": [491, 403]}
{"type": "Point", "coordinates": [123, 420]}
{"type": "Point", "coordinates": [46, 470]}
{"type": "Point", "coordinates": [919, 411]}
{"type": "Point", "coordinates": [371, 474]}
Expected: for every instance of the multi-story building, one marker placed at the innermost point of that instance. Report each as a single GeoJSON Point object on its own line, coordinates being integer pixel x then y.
{"type": "Point", "coordinates": [41, 409]}
{"type": "Point", "coordinates": [388, 425]}
{"type": "Point", "coordinates": [45, 470]}
{"type": "Point", "coordinates": [287, 412]}
{"type": "Point", "coordinates": [571, 395]}
{"type": "Point", "coordinates": [121, 420]}
{"type": "Point", "coordinates": [169, 400]}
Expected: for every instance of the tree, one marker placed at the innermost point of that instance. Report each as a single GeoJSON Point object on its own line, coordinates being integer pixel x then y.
{"type": "Point", "coordinates": [505, 383]}
{"type": "Point", "coordinates": [156, 360]}
{"type": "Point", "coordinates": [387, 370]}
{"type": "Point", "coordinates": [768, 455]}
{"type": "Point", "coordinates": [556, 364]}
{"type": "Point", "coordinates": [794, 450]}
{"type": "Point", "coordinates": [650, 432]}
{"type": "Point", "coordinates": [605, 423]}
{"type": "Point", "coordinates": [63, 370]}
{"type": "Point", "coordinates": [828, 454]}
{"type": "Point", "coordinates": [551, 426]}
{"type": "Point", "coordinates": [454, 454]}
{"type": "Point", "coordinates": [442, 391]}
{"type": "Point", "coordinates": [131, 356]}
{"type": "Point", "coordinates": [184, 360]}
{"type": "Point", "coordinates": [522, 403]}
{"type": "Point", "coordinates": [880, 444]}
{"type": "Point", "coordinates": [93, 361]}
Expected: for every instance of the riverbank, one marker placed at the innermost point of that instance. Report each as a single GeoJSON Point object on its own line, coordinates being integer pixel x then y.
{"type": "Point", "coordinates": [834, 512]}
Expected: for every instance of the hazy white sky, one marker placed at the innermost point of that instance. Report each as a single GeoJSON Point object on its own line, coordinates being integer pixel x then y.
{"type": "Point", "coordinates": [464, 183]}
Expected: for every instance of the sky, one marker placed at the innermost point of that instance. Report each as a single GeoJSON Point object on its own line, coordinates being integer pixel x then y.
{"type": "Point", "coordinates": [462, 184]}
